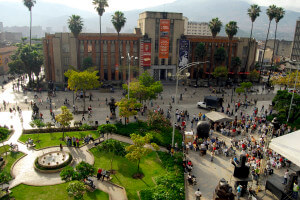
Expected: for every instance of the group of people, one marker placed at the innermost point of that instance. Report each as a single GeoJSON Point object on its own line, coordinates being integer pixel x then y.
{"type": "Point", "coordinates": [72, 141]}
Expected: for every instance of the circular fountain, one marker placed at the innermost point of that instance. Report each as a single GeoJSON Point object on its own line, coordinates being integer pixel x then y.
{"type": "Point", "coordinates": [53, 161]}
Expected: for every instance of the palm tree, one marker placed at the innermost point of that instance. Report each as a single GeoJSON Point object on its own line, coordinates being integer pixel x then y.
{"type": "Point", "coordinates": [253, 13]}
{"type": "Point", "coordinates": [29, 4]}
{"type": "Point", "coordinates": [279, 15]}
{"type": "Point", "coordinates": [75, 25]}
{"type": "Point", "coordinates": [215, 26]}
{"type": "Point", "coordinates": [118, 20]}
{"type": "Point", "coordinates": [100, 7]}
{"type": "Point", "coordinates": [200, 52]}
{"type": "Point", "coordinates": [271, 12]}
{"type": "Point", "coordinates": [231, 30]}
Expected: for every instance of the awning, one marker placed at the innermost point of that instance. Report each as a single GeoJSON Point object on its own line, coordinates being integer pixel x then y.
{"type": "Point", "coordinates": [218, 117]}
{"type": "Point", "coordinates": [247, 73]}
{"type": "Point", "coordinates": [288, 146]}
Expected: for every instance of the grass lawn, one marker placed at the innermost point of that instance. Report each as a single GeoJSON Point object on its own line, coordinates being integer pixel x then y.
{"type": "Point", "coordinates": [54, 192]}
{"type": "Point", "coordinates": [150, 166]}
{"type": "Point", "coordinates": [4, 149]}
{"type": "Point", "coordinates": [54, 139]}
{"type": "Point", "coordinates": [9, 160]}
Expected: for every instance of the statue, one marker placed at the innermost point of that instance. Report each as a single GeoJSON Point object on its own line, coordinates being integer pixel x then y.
{"type": "Point", "coordinates": [223, 191]}
{"type": "Point", "coordinates": [203, 129]}
{"type": "Point", "coordinates": [112, 107]}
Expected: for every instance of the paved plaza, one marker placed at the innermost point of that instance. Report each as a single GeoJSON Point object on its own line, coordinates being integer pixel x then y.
{"type": "Point", "coordinates": [208, 173]}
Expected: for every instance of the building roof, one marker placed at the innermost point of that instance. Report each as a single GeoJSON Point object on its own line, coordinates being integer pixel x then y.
{"type": "Point", "coordinates": [8, 49]}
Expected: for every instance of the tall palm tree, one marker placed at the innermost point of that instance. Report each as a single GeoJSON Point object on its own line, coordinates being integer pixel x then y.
{"type": "Point", "coordinates": [253, 13]}
{"type": "Point", "coordinates": [271, 12]}
{"type": "Point", "coordinates": [231, 30]}
{"type": "Point", "coordinates": [215, 26]}
{"type": "Point", "coordinates": [118, 20]}
{"type": "Point", "coordinates": [29, 4]}
{"type": "Point", "coordinates": [75, 25]}
{"type": "Point", "coordinates": [279, 15]}
{"type": "Point", "coordinates": [100, 6]}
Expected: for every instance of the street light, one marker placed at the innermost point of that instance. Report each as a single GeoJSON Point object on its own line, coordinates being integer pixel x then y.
{"type": "Point", "coordinates": [179, 75]}
{"type": "Point", "coordinates": [129, 60]}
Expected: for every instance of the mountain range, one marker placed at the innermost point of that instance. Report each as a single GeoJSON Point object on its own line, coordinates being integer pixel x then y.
{"type": "Point", "coordinates": [53, 15]}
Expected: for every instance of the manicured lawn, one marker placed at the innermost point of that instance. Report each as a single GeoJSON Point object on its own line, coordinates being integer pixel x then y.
{"type": "Point", "coordinates": [9, 160]}
{"type": "Point", "coordinates": [54, 139]}
{"type": "Point", "coordinates": [4, 149]}
{"type": "Point", "coordinates": [150, 166]}
{"type": "Point", "coordinates": [54, 192]}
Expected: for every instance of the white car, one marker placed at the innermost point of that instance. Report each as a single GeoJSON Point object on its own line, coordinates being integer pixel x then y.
{"type": "Point", "coordinates": [201, 104]}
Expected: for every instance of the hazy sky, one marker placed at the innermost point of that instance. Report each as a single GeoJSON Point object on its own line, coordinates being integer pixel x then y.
{"type": "Point", "coordinates": [139, 4]}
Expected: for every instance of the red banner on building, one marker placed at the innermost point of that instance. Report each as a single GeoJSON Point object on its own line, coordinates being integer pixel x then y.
{"type": "Point", "coordinates": [164, 38]}
{"type": "Point", "coordinates": [146, 52]}
{"type": "Point", "coordinates": [164, 48]}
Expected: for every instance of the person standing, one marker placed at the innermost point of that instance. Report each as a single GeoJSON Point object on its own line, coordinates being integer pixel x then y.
{"type": "Point", "coordinates": [295, 190]}
{"type": "Point", "coordinates": [239, 191]}
{"type": "Point", "coordinates": [61, 147]}
{"type": "Point", "coordinates": [198, 194]}
{"type": "Point", "coordinates": [77, 142]}
{"type": "Point", "coordinates": [83, 118]}
{"type": "Point", "coordinates": [285, 177]}
{"type": "Point", "coordinates": [99, 173]}
{"type": "Point", "coordinates": [74, 141]}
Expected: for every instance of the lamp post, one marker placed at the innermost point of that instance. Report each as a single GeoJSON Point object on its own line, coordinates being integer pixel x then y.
{"type": "Point", "coordinates": [129, 61]}
{"type": "Point", "coordinates": [178, 75]}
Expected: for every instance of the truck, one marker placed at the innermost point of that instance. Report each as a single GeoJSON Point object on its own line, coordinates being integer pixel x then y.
{"type": "Point", "coordinates": [210, 102]}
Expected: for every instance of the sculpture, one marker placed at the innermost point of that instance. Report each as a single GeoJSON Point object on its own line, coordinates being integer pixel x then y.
{"type": "Point", "coordinates": [203, 129]}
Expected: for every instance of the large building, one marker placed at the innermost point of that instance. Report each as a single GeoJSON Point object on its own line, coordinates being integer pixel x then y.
{"type": "Point", "coordinates": [196, 28]}
{"type": "Point", "coordinates": [296, 44]}
{"type": "Point", "coordinates": [5, 54]}
{"type": "Point", "coordinates": [159, 44]}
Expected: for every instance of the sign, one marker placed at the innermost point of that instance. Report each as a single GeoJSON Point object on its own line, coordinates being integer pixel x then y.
{"type": "Point", "coordinates": [146, 52]}
{"type": "Point", "coordinates": [164, 48]}
{"type": "Point", "coordinates": [184, 47]}
{"type": "Point", "coordinates": [164, 29]}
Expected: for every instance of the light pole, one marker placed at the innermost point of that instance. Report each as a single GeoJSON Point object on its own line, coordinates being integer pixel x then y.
{"type": "Point", "coordinates": [129, 61]}
{"type": "Point", "coordinates": [296, 79]}
{"type": "Point", "coordinates": [178, 75]}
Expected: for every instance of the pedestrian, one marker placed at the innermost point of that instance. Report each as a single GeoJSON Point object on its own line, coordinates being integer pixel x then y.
{"type": "Point", "coordinates": [83, 118]}
{"type": "Point", "coordinates": [107, 120]}
{"type": "Point", "coordinates": [99, 173]}
{"type": "Point", "coordinates": [198, 194]}
{"type": "Point", "coordinates": [212, 154]}
{"type": "Point", "coordinates": [77, 142]}
{"type": "Point", "coordinates": [239, 191]}
{"type": "Point", "coordinates": [295, 190]}
{"type": "Point", "coordinates": [61, 147]}
{"type": "Point", "coordinates": [74, 141]}
{"type": "Point", "coordinates": [285, 177]}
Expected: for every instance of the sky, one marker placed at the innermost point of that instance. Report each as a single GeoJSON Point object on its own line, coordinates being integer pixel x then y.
{"type": "Point", "coordinates": [140, 4]}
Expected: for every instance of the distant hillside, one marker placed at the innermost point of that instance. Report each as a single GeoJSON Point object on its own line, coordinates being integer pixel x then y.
{"type": "Point", "coordinates": [55, 16]}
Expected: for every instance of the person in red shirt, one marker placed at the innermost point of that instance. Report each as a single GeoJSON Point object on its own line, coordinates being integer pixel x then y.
{"type": "Point", "coordinates": [99, 173]}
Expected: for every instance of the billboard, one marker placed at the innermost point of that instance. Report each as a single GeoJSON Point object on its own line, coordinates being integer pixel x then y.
{"type": "Point", "coordinates": [146, 52]}
{"type": "Point", "coordinates": [164, 29]}
{"type": "Point", "coordinates": [184, 47]}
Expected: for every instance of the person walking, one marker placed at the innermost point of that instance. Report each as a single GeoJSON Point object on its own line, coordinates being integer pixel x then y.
{"type": "Point", "coordinates": [61, 147]}
{"type": "Point", "coordinates": [239, 191]}
{"type": "Point", "coordinates": [83, 118]}
{"type": "Point", "coordinates": [99, 174]}
{"type": "Point", "coordinates": [107, 120]}
{"type": "Point", "coordinates": [285, 177]}
{"type": "Point", "coordinates": [198, 194]}
{"type": "Point", "coordinates": [77, 142]}
{"type": "Point", "coordinates": [295, 190]}
{"type": "Point", "coordinates": [74, 141]}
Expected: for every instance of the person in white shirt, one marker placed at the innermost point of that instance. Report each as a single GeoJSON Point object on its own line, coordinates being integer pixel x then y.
{"type": "Point", "coordinates": [198, 194]}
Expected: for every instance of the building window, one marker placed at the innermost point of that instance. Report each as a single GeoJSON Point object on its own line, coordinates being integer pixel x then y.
{"type": "Point", "coordinates": [66, 48]}
{"type": "Point", "coordinates": [170, 60]}
{"type": "Point", "coordinates": [162, 61]}
{"type": "Point", "coordinates": [156, 60]}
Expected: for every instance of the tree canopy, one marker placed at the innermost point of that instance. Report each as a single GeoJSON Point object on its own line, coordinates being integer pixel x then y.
{"type": "Point", "coordinates": [220, 71]}
{"type": "Point", "coordinates": [128, 108]}
{"type": "Point", "coordinates": [118, 20]}
{"type": "Point", "coordinates": [215, 26]}
{"type": "Point", "coordinates": [288, 80]}
{"type": "Point", "coordinates": [220, 55]}
{"type": "Point", "coordinates": [64, 118]}
{"type": "Point", "coordinates": [75, 24]}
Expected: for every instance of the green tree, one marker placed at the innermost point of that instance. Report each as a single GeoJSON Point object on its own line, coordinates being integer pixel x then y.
{"type": "Point", "coordinates": [138, 91]}
{"type": "Point", "coordinates": [288, 80]}
{"type": "Point", "coordinates": [100, 6]}
{"type": "Point", "coordinates": [16, 67]}
{"type": "Point", "coordinates": [246, 85]}
{"type": "Point", "coordinates": [200, 53]}
{"type": "Point", "coordinates": [239, 90]}
{"type": "Point", "coordinates": [128, 108]}
{"type": "Point", "coordinates": [215, 26]}
{"type": "Point", "coordinates": [112, 146]}
{"type": "Point", "coordinates": [220, 55]}
{"type": "Point", "coordinates": [236, 62]}
{"type": "Point", "coordinates": [254, 75]}
{"type": "Point", "coordinates": [82, 81]}
{"type": "Point", "coordinates": [278, 16]}
{"type": "Point", "coordinates": [253, 13]}
{"type": "Point", "coordinates": [220, 72]}
{"type": "Point", "coordinates": [118, 20]}
{"type": "Point", "coordinates": [107, 128]}
{"type": "Point", "coordinates": [148, 81]}
{"type": "Point", "coordinates": [64, 119]}
{"type": "Point", "coordinates": [76, 189]}
{"type": "Point", "coordinates": [271, 12]}
{"type": "Point", "coordinates": [38, 124]}
{"type": "Point", "coordinates": [138, 150]}
{"type": "Point", "coordinates": [75, 25]}
{"type": "Point", "coordinates": [87, 63]}
{"type": "Point", "coordinates": [282, 102]}
{"type": "Point", "coordinates": [29, 4]}
{"type": "Point", "coordinates": [68, 174]}
{"type": "Point", "coordinates": [231, 30]}
{"type": "Point", "coordinates": [4, 177]}
{"type": "Point", "coordinates": [85, 170]}
{"type": "Point", "coordinates": [4, 133]}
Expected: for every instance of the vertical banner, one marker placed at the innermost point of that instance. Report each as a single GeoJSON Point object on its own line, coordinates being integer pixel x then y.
{"type": "Point", "coordinates": [146, 52]}
{"type": "Point", "coordinates": [184, 47]}
{"type": "Point", "coordinates": [164, 28]}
